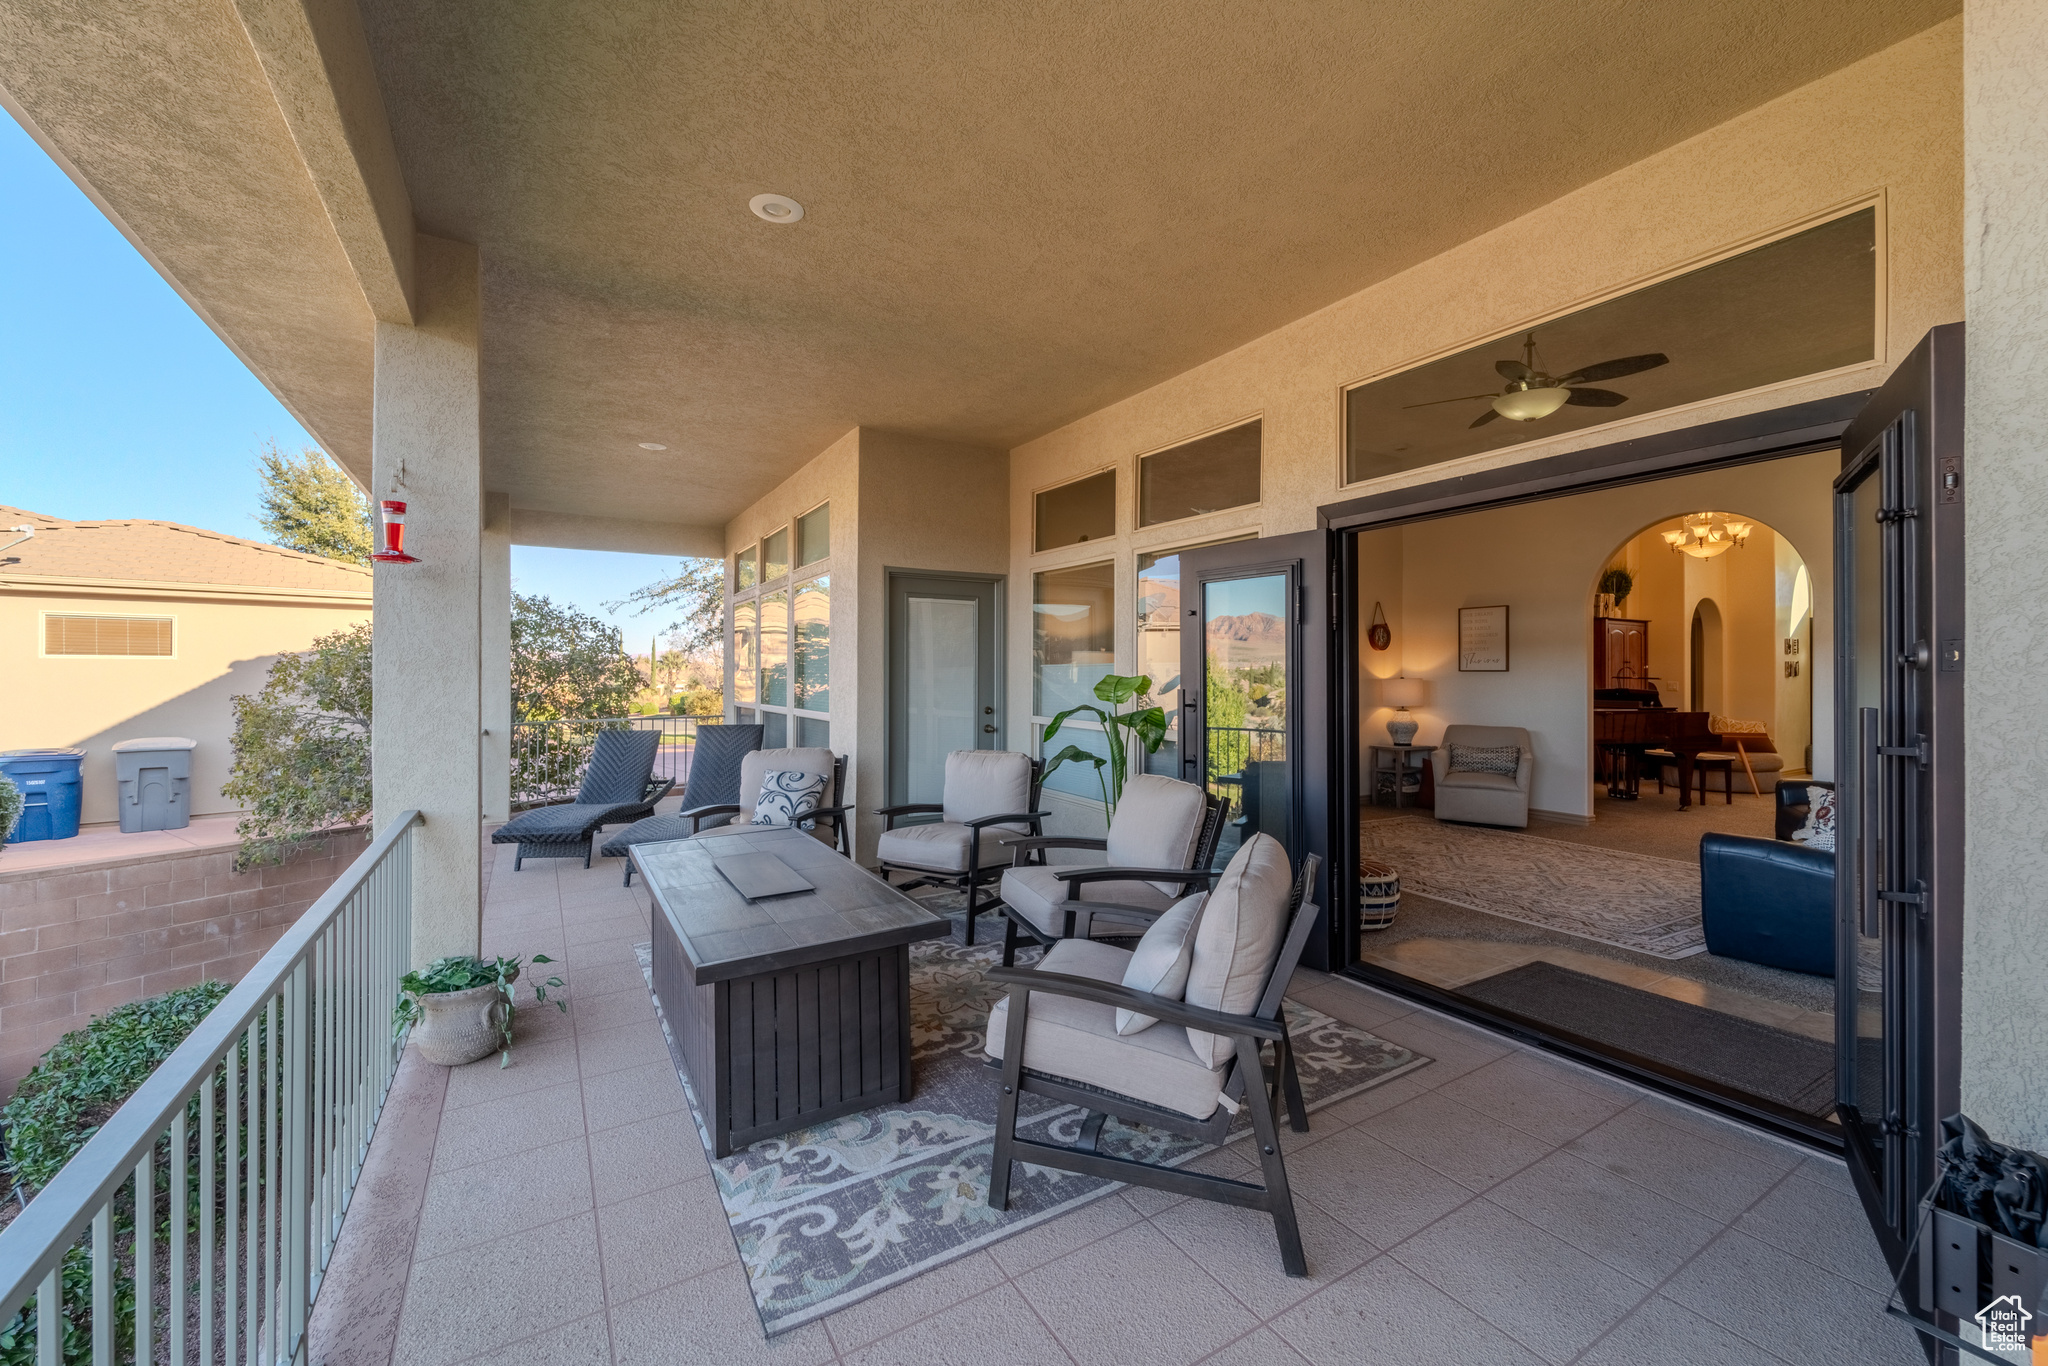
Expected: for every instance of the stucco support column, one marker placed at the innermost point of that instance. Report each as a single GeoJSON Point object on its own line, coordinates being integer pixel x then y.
{"type": "Point", "coordinates": [497, 657]}
{"type": "Point", "coordinates": [427, 744]}
{"type": "Point", "coordinates": [2005, 660]}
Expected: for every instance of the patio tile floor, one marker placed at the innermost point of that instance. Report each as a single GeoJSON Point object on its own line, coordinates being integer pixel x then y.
{"type": "Point", "coordinates": [1498, 1206]}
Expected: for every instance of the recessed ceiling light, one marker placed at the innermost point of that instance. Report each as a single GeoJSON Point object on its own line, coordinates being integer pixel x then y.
{"type": "Point", "coordinates": [776, 208]}
{"type": "Point", "coordinates": [652, 446]}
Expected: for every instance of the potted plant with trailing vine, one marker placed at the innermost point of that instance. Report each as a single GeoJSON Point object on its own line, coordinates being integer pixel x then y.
{"type": "Point", "coordinates": [1133, 719]}
{"type": "Point", "coordinates": [460, 1008]}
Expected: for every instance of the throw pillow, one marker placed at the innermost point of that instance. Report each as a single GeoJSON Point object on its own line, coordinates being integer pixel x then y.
{"type": "Point", "coordinates": [1819, 830]}
{"type": "Point", "coordinates": [1240, 934]}
{"type": "Point", "coordinates": [1160, 962]}
{"type": "Point", "coordinates": [787, 797]}
{"type": "Point", "coordinates": [1502, 759]}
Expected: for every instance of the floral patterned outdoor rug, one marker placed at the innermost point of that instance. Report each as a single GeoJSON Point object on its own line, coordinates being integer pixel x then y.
{"type": "Point", "coordinates": [828, 1216]}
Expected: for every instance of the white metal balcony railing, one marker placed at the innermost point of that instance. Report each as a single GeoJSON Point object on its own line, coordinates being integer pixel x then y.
{"type": "Point", "coordinates": [196, 1224]}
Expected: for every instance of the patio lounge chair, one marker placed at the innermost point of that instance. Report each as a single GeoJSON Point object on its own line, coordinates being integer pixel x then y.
{"type": "Point", "coordinates": [1055, 1035]}
{"type": "Point", "coordinates": [714, 779]}
{"type": "Point", "coordinates": [618, 786]}
{"type": "Point", "coordinates": [757, 765]}
{"type": "Point", "coordinates": [1159, 847]}
{"type": "Point", "coordinates": [988, 795]}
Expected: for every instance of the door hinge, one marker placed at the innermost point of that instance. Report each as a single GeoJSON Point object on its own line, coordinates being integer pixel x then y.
{"type": "Point", "coordinates": [1895, 515]}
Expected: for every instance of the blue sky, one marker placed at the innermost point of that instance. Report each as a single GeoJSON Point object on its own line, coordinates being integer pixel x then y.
{"type": "Point", "coordinates": [117, 401]}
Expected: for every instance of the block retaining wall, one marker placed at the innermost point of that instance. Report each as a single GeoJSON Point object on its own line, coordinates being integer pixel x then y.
{"type": "Point", "coordinates": [77, 941]}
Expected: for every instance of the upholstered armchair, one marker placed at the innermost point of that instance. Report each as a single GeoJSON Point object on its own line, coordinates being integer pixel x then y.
{"type": "Point", "coordinates": [989, 795]}
{"type": "Point", "coordinates": [1184, 1059]}
{"type": "Point", "coordinates": [1158, 849]}
{"type": "Point", "coordinates": [757, 766]}
{"type": "Point", "coordinates": [1486, 789]}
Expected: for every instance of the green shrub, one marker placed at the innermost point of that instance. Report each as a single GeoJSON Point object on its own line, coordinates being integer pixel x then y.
{"type": "Point", "coordinates": [72, 1090]}
{"type": "Point", "coordinates": [79, 1083]}
{"type": "Point", "coordinates": [10, 805]}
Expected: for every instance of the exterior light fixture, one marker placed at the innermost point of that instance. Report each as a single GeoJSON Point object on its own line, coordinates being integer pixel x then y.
{"type": "Point", "coordinates": [652, 446]}
{"type": "Point", "coordinates": [1526, 405]}
{"type": "Point", "coordinates": [393, 551]}
{"type": "Point", "coordinates": [1703, 535]}
{"type": "Point", "coordinates": [776, 208]}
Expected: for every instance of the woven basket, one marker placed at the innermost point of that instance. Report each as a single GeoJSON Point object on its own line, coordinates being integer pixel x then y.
{"type": "Point", "coordinates": [1379, 895]}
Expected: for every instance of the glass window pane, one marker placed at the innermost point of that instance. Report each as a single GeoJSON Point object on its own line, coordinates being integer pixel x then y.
{"type": "Point", "coordinates": [1798, 306]}
{"type": "Point", "coordinates": [747, 715]}
{"type": "Point", "coordinates": [775, 555]}
{"type": "Point", "coordinates": [1076, 778]}
{"type": "Point", "coordinates": [743, 570]}
{"type": "Point", "coordinates": [1245, 624]}
{"type": "Point", "coordinates": [1159, 616]}
{"type": "Point", "coordinates": [775, 650]}
{"type": "Point", "coordinates": [814, 645]}
{"type": "Point", "coordinates": [1084, 510]}
{"type": "Point", "coordinates": [1216, 472]}
{"type": "Point", "coordinates": [813, 733]}
{"type": "Point", "coordinates": [942, 661]}
{"type": "Point", "coordinates": [745, 645]}
{"type": "Point", "coordinates": [814, 535]}
{"type": "Point", "coordinates": [1073, 616]}
{"type": "Point", "coordinates": [774, 729]}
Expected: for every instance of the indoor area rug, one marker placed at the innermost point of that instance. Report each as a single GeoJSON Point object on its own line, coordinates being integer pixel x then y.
{"type": "Point", "coordinates": [1632, 901]}
{"type": "Point", "coordinates": [1791, 1069]}
{"type": "Point", "coordinates": [827, 1216]}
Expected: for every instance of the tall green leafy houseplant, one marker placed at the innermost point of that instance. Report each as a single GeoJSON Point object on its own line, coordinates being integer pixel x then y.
{"type": "Point", "coordinates": [1142, 723]}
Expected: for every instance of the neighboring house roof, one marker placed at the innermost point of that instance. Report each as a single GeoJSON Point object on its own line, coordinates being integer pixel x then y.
{"type": "Point", "coordinates": [143, 552]}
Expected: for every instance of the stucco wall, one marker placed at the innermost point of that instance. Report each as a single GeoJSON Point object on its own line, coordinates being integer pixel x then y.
{"type": "Point", "coordinates": [96, 701]}
{"type": "Point", "coordinates": [2005, 952]}
{"type": "Point", "coordinates": [1888, 127]}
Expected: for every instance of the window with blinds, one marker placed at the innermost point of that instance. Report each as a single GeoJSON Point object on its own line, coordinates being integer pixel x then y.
{"type": "Point", "coordinates": [65, 634]}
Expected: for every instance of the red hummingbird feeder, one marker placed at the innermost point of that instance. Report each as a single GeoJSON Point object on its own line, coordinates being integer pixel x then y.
{"type": "Point", "coordinates": [394, 536]}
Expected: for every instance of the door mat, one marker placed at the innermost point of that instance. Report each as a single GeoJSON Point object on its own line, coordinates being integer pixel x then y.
{"type": "Point", "coordinates": [1791, 1069]}
{"type": "Point", "coordinates": [1632, 901]}
{"type": "Point", "coordinates": [827, 1216]}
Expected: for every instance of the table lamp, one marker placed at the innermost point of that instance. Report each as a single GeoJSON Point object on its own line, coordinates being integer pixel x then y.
{"type": "Point", "coordinates": [1401, 694]}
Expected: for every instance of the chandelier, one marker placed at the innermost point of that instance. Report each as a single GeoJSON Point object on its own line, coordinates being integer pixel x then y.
{"type": "Point", "coordinates": [1703, 535]}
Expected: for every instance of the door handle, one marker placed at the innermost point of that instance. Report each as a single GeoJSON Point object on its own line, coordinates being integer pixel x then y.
{"type": "Point", "coordinates": [1867, 789]}
{"type": "Point", "coordinates": [988, 730]}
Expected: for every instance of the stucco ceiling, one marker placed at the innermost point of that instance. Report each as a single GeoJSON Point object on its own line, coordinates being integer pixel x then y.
{"type": "Point", "coordinates": [1014, 214]}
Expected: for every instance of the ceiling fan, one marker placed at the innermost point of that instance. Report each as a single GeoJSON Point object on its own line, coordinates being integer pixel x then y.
{"type": "Point", "coordinates": [1530, 393]}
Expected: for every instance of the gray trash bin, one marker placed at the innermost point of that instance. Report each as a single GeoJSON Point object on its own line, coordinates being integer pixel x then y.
{"type": "Point", "coordinates": [155, 781]}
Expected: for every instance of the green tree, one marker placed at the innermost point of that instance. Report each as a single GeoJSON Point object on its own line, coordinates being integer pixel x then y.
{"type": "Point", "coordinates": [567, 664]}
{"type": "Point", "coordinates": [696, 594]}
{"type": "Point", "coordinates": [309, 505]}
{"type": "Point", "coordinates": [302, 747]}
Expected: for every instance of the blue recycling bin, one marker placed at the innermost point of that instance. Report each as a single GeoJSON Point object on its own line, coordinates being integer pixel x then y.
{"type": "Point", "coordinates": [48, 779]}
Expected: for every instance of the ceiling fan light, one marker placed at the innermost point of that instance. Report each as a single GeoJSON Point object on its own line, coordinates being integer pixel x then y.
{"type": "Point", "coordinates": [1526, 405]}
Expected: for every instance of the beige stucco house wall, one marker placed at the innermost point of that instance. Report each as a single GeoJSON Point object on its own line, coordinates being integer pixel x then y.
{"type": "Point", "coordinates": [233, 607]}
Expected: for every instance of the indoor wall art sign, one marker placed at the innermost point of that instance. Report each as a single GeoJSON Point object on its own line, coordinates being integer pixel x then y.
{"type": "Point", "coordinates": [1483, 640]}
{"type": "Point", "coordinates": [1379, 635]}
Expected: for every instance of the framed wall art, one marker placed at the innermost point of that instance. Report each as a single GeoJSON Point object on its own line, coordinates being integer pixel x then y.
{"type": "Point", "coordinates": [1483, 640]}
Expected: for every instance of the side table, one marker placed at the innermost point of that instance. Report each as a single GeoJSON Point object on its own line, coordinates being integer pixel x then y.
{"type": "Point", "coordinates": [1390, 770]}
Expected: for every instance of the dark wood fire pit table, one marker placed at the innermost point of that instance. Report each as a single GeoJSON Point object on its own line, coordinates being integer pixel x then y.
{"type": "Point", "coordinates": [788, 1010]}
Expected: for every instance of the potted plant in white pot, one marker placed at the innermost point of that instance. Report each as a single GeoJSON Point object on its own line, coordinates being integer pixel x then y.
{"type": "Point", "coordinates": [460, 1008]}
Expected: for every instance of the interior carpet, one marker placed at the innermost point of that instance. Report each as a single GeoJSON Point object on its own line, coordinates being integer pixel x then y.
{"type": "Point", "coordinates": [1791, 1069]}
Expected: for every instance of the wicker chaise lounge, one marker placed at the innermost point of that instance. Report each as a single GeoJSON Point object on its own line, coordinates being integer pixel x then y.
{"type": "Point", "coordinates": [617, 787]}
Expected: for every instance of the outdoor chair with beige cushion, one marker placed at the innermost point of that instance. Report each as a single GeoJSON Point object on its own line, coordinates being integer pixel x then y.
{"type": "Point", "coordinates": [754, 770]}
{"type": "Point", "coordinates": [989, 795]}
{"type": "Point", "coordinates": [1183, 1056]}
{"type": "Point", "coordinates": [1158, 849]}
{"type": "Point", "coordinates": [1477, 780]}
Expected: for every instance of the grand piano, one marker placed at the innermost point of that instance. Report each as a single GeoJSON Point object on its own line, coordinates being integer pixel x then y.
{"type": "Point", "coordinates": [1626, 728]}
